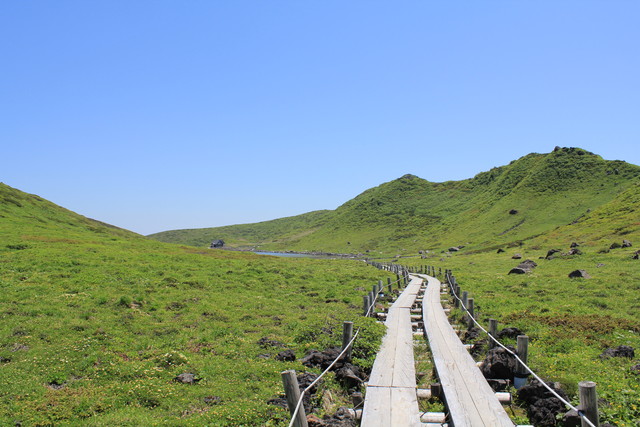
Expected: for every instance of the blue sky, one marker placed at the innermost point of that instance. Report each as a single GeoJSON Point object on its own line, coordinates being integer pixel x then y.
{"type": "Point", "coordinates": [158, 115]}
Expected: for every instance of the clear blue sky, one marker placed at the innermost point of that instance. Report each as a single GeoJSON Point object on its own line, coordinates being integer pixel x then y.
{"type": "Point", "coordinates": [158, 115]}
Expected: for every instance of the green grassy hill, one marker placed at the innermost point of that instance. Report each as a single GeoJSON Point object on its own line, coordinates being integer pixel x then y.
{"type": "Point", "coordinates": [96, 322]}
{"type": "Point", "coordinates": [410, 213]}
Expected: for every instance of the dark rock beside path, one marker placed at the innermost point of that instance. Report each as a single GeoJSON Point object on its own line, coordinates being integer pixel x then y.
{"type": "Point", "coordinates": [620, 351]}
{"type": "Point", "coordinates": [579, 274]}
{"type": "Point", "coordinates": [509, 333]}
{"type": "Point", "coordinates": [286, 356]}
{"type": "Point", "coordinates": [499, 364]}
{"type": "Point", "coordinates": [542, 405]}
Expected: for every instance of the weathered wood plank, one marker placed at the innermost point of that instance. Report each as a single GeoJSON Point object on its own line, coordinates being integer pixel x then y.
{"type": "Point", "coordinates": [470, 400]}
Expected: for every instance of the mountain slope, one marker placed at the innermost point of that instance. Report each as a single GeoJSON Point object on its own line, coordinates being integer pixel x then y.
{"type": "Point", "coordinates": [410, 213]}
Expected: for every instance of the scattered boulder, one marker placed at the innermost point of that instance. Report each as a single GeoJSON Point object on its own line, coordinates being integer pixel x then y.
{"type": "Point", "coordinates": [524, 267]}
{"type": "Point", "coordinates": [542, 405]}
{"type": "Point", "coordinates": [286, 356]}
{"type": "Point", "coordinates": [626, 244]}
{"type": "Point", "coordinates": [574, 251]}
{"type": "Point", "coordinates": [571, 419]}
{"type": "Point", "coordinates": [216, 244]}
{"type": "Point", "coordinates": [322, 359]}
{"type": "Point", "coordinates": [636, 255]}
{"type": "Point", "coordinates": [579, 274]}
{"type": "Point", "coordinates": [453, 249]}
{"type": "Point", "coordinates": [509, 333]}
{"type": "Point", "coordinates": [342, 418]}
{"type": "Point", "coordinates": [551, 252]}
{"type": "Point", "coordinates": [499, 364]}
{"type": "Point", "coordinates": [615, 245]}
{"type": "Point", "coordinates": [620, 351]}
{"type": "Point", "coordinates": [516, 256]}
{"type": "Point", "coordinates": [574, 245]}
{"type": "Point", "coordinates": [513, 211]}
{"type": "Point", "coordinates": [187, 378]}
{"type": "Point", "coordinates": [500, 251]}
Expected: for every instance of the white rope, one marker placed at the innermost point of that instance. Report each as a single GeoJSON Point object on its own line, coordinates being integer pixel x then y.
{"type": "Point", "coordinates": [297, 409]}
{"type": "Point", "coordinates": [524, 365]}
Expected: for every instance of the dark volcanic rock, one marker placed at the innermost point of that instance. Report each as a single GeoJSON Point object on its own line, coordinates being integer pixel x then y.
{"type": "Point", "coordinates": [626, 244]}
{"type": "Point", "coordinates": [499, 364]}
{"type": "Point", "coordinates": [542, 405]}
{"type": "Point", "coordinates": [286, 356]}
{"type": "Point", "coordinates": [620, 351]}
{"type": "Point", "coordinates": [574, 251]}
{"type": "Point", "coordinates": [636, 255]}
{"type": "Point", "coordinates": [513, 211]}
{"type": "Point", "coordinates": [579, 274]}
{"type": "Point", "coordinates": [524, 267]}
{"type": "Point", "coordinates": [615, 245]}
{"type": "Point", "coordinates": [509, 333]}
{"type": "Point", "coordinates": [322, 359]}
{"type": "Point", "coordinates": [551, 252]}
{"type": "Point", "coordinates": [500, 251]}
{"type": "Point", "coordinates": [574, 245]}
{"type": "Point", "coordinates": [454, 249]}
{"type": "Point", "coordinates": [516, 256]}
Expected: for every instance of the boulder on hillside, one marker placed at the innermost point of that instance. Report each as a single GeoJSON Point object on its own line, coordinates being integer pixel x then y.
{"type": "Point", "coordinates": [524, 267]}
{"type": "Point", "coordinates": [187, 378]}
{"type": "Point", "coordinates": [453, 249]}
{"type": "Point", "coordinates": [626, 244]}
{"type": "Point", "coordinates": [509, 333]}
{"type": "Point", "coordinates": [216, 244]}
{"type": "Point", "coordinates": [513, 211]}
{"type": "Point", "coordinates": [579, 274]}
{"type": "Point", "coordinates": [636, 255]}
{"type": "Point", "coordinates": [516, 256]}
{"type": "Point", "coordinates": [615, 245]}
{"type": "Point", "coordinates": [574, 251]}
{"type": "Point", "coordinates": [551, 252]}
{"type": "Point", "coordinates": [286, 356]}
{"type": "Point", "coordinates": [620, 351]}
{"type": "Point", "coordinates": [500, 251]}
{"type": "Point", "coordinates": [574, 245]}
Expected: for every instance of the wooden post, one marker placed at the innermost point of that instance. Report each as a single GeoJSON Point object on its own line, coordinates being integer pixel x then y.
{"type": "Point", "coordinates": [292, 391]}
{"type": "Point", "coordinates": [379, 285]}
{"type": "Point", "coordinates": [520, 378]}
{"type": "Point", "coordinates": [347, 334]}
{"type": "Point", "coordinates": [470, 308]}
{"type": "Point", "coordinates": [374, 289]}
{"type": "Point", "coordinates": [389, 284]}
{"type": "Point", "coordinates": [465, 297]}
{"type": "Point", "coordinates": [372, 302]}
{"type": "Point", "coordinates": [493, 330]}
{"type": "Point", "coordinates": [366, 304]}
{"type": "Point", "coordinates": [589, 402]}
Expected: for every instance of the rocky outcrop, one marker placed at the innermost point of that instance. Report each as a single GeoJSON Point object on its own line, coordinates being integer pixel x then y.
{"type": "Point", "coordinates": [579, 274]}
{"type": "Point", "coordinates": [524, 267]}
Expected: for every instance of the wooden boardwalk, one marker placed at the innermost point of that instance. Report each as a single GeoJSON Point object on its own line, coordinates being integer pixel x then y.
{"type": "Point", "coordinates": [469, 399]}
{"type": "Point", "coordinates": [391, 398]}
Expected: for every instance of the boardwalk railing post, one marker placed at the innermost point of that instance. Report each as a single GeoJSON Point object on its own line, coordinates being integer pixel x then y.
{"type": "Point", "coordinates": [493, 331]}
{"type": "Point", "coordinates": [465, 297]}
{"type": "Point", "coordinates": [379, 285]}
{"type": "Point", "coordinates": [589, 402]}
{"type": "Point", "coordinates": [520, 378]}
{"type": "Point", "coordinates": [366, 304]}
{"type": "Point", "coordinates": [470, 309]}
{"type": "Point", "coordinates": [347, 334]}
{"type": "Point", "coordinates": [292, 391]}
{"type": "Point", "coordinates": [389, 284]}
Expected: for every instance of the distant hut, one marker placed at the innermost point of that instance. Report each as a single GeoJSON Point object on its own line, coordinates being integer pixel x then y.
{"type": "Point", "coordinates": [217, 244]}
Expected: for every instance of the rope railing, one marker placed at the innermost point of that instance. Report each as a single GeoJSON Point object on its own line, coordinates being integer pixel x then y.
{"type": "Point", "coordinates": [294, 414]}
{"type": "Point", "coordinates": [580, 412]}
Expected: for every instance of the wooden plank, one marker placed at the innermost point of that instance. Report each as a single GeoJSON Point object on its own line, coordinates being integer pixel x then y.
{"type": "Point", "coordinates": [469, 399]}
{"type": "Point", "coordinates": [391, 398]}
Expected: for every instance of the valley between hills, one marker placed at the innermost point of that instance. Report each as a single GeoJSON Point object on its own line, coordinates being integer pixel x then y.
{"type": "Point", "coordinates": [98, 323]}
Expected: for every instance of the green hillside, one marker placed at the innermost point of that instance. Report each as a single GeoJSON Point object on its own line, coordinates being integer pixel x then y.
{"type": "Point", "coordinates": [410, 213]}
{"type": "Point", "coordinates": [96, 322]}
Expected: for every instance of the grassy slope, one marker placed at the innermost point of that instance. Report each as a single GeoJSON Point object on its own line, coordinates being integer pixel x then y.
{"type": "Point", "coordinates": [115, 317]}
{"type": "Point", "coordinates": [548, 190]}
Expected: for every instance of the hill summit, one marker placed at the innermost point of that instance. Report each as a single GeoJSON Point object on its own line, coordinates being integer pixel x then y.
{"type": "Point", "coordinates": [529, 197]}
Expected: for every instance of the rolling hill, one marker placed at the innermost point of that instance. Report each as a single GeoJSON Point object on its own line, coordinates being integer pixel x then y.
{"type": "Point", "coordinates": [529, 197]}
